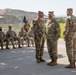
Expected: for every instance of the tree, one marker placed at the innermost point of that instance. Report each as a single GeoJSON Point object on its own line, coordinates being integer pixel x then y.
{"type": "Point", "coordinates": [61, 20]}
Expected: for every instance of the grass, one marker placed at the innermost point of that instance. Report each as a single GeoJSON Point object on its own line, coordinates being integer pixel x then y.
{"type": "Point", "coordinates": [62, 29]}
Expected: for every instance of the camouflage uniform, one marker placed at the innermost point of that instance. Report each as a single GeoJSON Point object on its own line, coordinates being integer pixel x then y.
{"type": "Point", "coordinates": [31, 37]}
{"type": "Point", "coordinates": [52, 35]}
{"type": "Point", "coordinates": [11, 35]}
{"type": "Point", "coordinates": [3, 39]}
{"type": "Point", "coordinates": [69, 37]}
{"type": "Point", "coordinates": [22, 35]}
{"type": "Point", "coordinates": [26, 28]}
{"type": "Point", "coordinates": [39, 32]}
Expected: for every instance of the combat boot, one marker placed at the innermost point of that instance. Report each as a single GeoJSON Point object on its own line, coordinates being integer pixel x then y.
{"type": "Point", "coordinates": [41, 59]}
{"type": "Point", "coordinates": [7, 48]}
{"type": "Point", "coordinates": [71, 65]}
{"type": "Point", "coordinates": [52, 63]}
{"type": "Point", "coordinates": [14, 47]}
{"type": "Point", "coordinates": [28, 46]}
{"type": "Point", "coordinates": [2, 48]}
{"type": "Point", "coordinates": [19, 46]}
{"type": "Point", "coordinates": [38, 61]}
{"type": "Point", "coordinates": [49, 63]}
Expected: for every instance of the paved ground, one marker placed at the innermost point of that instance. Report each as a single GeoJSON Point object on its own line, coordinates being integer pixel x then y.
{"type": "Point", "coordinates": [22, 62]}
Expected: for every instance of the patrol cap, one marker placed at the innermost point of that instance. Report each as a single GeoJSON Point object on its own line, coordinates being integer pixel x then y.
{"type": "Point", "coordinates": [21, 28]}
{"type": "Point", "coordinates": [40, 12]}
{"type": "Point", "coordinates": [69, 9]}
{"type": "Point", "coordinates": [9, 26]}
{"type": "Point", "coordinates": [51, 12]}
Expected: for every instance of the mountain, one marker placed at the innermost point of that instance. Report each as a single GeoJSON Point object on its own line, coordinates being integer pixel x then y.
{"type": "Point", "coordinates": [15, 16]}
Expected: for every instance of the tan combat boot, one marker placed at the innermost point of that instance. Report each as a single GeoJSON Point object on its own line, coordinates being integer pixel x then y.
{"type": "Point", "coordinates": [38, 61]}
{"type": "Point", "coordinates": [71, 65]}
{"type": "Point", "coordinates": [7, 48]}
{"type": "Point", "coordinates": [2, 48]}
{"type": "Point", "coordinates": [52, 63]}
{"type": "Point", "coordinates": [41, 59]}
{"type": "Point", "coordinates": [19, 46]}
{"type": "Point", "coordinates": [49, 63]}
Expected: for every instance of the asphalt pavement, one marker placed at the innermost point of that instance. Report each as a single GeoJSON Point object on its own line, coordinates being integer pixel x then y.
{"type": "Point", "coordinates": [21, 61]}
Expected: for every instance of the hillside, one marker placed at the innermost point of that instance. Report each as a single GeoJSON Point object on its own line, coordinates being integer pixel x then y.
{"type": "Point", "coordinates": [15, 16]}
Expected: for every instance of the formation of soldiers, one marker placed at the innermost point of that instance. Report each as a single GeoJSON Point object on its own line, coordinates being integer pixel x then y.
{"type": "Point", "coordinates": [51, 34]}
{"type": "Point", "coordinates": [11, 36]}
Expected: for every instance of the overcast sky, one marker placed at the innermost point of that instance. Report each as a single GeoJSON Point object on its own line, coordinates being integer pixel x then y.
{"type": "Point", "coordinates": [59, 6]}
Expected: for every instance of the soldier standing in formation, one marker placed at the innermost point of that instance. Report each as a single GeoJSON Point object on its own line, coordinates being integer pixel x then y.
{"type": "Point", "coordinates": [39, 33]}
{"type": "Point", "coordinates": [52, 35]}
{"type": "Point", "coordinates": [69, 37]}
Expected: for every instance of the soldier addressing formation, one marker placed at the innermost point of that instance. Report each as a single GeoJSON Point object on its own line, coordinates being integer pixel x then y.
{"type": "Point", "coordinates": [38, 33]}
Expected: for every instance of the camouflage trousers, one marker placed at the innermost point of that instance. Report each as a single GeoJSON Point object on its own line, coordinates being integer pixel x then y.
{"type": "Point", "coordinates": [52, 48]}
{"type": "Point", "coordinates": [74, 47]}
{"type": "Point", "coordinates": [21, 41]}
{"type": "Point", "coordinates": [14, 39]}
{"type": "Point", "coordinates": [70, 48]}
{"type": "Point", "coordinates": [1, 42]}
{"type": "Point", "coordinates": [30, 40]}
{"type": "Point", "coordinates": [4, 40]}
{"type": "Point", "coordinates": [39, 48]}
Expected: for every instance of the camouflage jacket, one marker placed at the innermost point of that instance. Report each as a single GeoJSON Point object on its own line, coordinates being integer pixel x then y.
{"type": "Point", "coordinates": [70, 27]}
{"type": "Point", "coordinates": [11, 33]}
{"type": "Point", "coordinates": [31, 34]}
{"type": "Point", "coordinates": [26, 27]}
{"type": "Point", "coordinates": [53, 29]}
{"type": "Point", "coordinates": [39, 27]}
{"type": "Point", "coordinates": [2, 35]}
{"type": "Point", "coordinates": [22, 34]}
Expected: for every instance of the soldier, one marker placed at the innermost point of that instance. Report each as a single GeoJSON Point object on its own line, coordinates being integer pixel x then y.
{"type": "Point", "coordinates": [39, 33]}
{"type": "Point", "coordinates": [31, 36]}
{"type": "Point", "coordinates": [69, 37]}
{"type": "Point", "coordinates": [3, 39]}
{"type": "Point", "coordinates": [22, 36]}
{"type": "Point", "coordinates": [26, 28]}
{"type": "Point", "coordinates": [12, 37]}
{"type": "Point", "coordinates": [52, 35]}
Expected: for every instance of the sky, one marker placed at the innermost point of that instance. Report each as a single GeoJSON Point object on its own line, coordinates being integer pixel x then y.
{"type": "Point", "coordinates": [58, 6]}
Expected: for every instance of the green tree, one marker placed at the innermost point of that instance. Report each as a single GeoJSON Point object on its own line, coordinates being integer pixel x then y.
{"type": "Point", "coordinates": [61, 20]}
